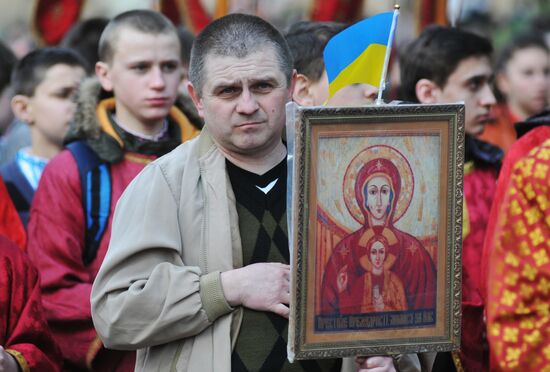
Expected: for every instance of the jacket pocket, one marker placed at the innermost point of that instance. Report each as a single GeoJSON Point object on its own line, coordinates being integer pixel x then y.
{"type": "Point", "coordinates": [162, 358]}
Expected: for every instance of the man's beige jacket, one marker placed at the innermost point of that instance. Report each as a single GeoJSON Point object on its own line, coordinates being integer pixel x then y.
{"type": "Point", "coordinates": [175, 229]}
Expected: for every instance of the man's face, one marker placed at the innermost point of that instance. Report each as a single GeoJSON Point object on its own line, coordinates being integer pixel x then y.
{"type": "Point", "coordinates": [351, 95]}
{"type": "Point", "coordinates": [52, 106]}
{"type": "Point", "coordinates": [243, 102]}
{"type": "Point", "coordinates": [470, 82]}
{"type": "Point", "coordinates": [144, 74]}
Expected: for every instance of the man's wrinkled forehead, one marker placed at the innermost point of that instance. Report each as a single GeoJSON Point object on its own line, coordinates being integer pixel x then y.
{"type": "Point", "coordinates": [264, 65]}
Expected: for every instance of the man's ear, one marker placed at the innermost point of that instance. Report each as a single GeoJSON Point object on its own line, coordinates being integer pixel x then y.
{"type": "Point", "coordinates": [22, 108]}
{"type": "Point", "coordinates": [427, 91]}
{"type": "Point", "coordinates": [104, 76]}
{"type": "Point", "coordinates": [292, 84]}
{"type": "Point", "coordinates": [195, 97]}
{"type": "Point", "coordinates": [302, 94]}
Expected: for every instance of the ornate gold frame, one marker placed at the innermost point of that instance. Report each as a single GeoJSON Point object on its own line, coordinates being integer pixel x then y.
{"type": "Point", "coordinates": [305, 129]}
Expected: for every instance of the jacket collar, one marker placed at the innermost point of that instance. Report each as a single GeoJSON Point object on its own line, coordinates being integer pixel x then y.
{"type": "Point", "coordinates": [103, 108]}
{"type": "Point", "coordinates": [482, 153]}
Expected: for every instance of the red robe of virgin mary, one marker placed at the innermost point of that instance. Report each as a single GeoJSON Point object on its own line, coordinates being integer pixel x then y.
{"type": "Point", "coordinates": [413, 264]}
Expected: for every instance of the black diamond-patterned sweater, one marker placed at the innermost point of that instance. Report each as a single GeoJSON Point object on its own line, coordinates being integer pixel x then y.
{"type": "Point", "coordinates": [261, 344]}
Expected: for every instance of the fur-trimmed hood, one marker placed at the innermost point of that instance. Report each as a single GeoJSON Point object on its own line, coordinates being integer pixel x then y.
{"type": "Point", "coordinates": [85, 124]}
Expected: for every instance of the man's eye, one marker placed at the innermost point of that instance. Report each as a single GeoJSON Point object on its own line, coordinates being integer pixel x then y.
{"type": "Point", "coordinates": [169, 67]}
{"type": "Point", "coordinates": [262, 87]}
{"type": "Point", "coordinates": [140, 67]}
{"type": "Point", "coordinates": [68, 93]}
{"type": "Point", "coordinates": [474, 86]}
{"type": "Point", "coordinates": [228, 91]}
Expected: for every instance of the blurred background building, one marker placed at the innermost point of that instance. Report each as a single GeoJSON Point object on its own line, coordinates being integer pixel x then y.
{"type": "Point", "coordinates": [26, 23]}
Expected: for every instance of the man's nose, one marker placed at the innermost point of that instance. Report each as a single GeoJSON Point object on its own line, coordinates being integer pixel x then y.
{"type": "Point", "coordinates": [487, 97]}
{"type": "Point", "coordinates": [157, 78]}
{"type": "Point", "coordinates": [247, 103]}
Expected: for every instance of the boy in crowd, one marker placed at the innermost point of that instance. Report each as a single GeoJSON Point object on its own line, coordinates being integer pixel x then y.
{"type": "Point", "coordinates": [522, 87]}
{"type": "Point", "coordinates": [110, 142]}
{"type": "Point", "coordinates": [44, 84]}
{"type": "Point", "coordinates": [205, 261]}
{"type": "Point", "coordinates": [446, 65]}
{"type": "Point", "coordinates": [307, 41]}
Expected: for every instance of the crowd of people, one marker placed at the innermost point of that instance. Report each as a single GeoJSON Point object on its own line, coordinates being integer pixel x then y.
{"type": "Point", "coordinates": [143, 185]}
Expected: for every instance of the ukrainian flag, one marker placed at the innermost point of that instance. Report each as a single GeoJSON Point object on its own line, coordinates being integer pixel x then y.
{"type": "Point", "coordinates": [357, 54]}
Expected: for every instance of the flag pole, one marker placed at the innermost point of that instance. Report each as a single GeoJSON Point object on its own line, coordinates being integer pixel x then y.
{"type": "Point", "coordinates": [455, 10]}
{"type": "Point", "coordinates": [379, 100]}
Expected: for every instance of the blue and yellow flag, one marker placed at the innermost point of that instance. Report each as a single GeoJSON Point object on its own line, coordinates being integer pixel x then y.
{"type": "Point", "coordinates": [358, 53]}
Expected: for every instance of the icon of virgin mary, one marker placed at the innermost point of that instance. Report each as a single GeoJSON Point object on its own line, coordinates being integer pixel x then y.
{"type": "Point", "coordinates": [378, 203]}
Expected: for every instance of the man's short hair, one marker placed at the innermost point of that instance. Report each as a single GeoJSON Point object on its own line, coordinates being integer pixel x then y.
{"type": "Point", "coordinates": [7, 63]}
{"type": "Point", "coordinates": [237, 35]}
{"type": "Point", "coordinates": [143, 20]}
{"type": "Point", "coordinates": [435, 55]}
{"type": "Point", "coordinates": [31, 69]}
{"type": "Point", "coordinates": [307, 41]}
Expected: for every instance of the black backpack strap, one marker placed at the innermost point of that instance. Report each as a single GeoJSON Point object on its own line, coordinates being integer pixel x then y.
{"type": "Point", "coordinates": [95, 181]}
{"type": "Point", "coordinates": [20, 190]}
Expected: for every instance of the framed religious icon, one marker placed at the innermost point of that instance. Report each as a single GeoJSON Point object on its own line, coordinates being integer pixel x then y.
{"type": "Point", "coordinates": [375, 229]}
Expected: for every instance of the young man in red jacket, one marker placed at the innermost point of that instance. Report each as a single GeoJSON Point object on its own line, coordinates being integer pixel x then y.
{"type": "Point", "coordinates": [447, 65]}
{"type": "Point", "coordinates": [70, 222]}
